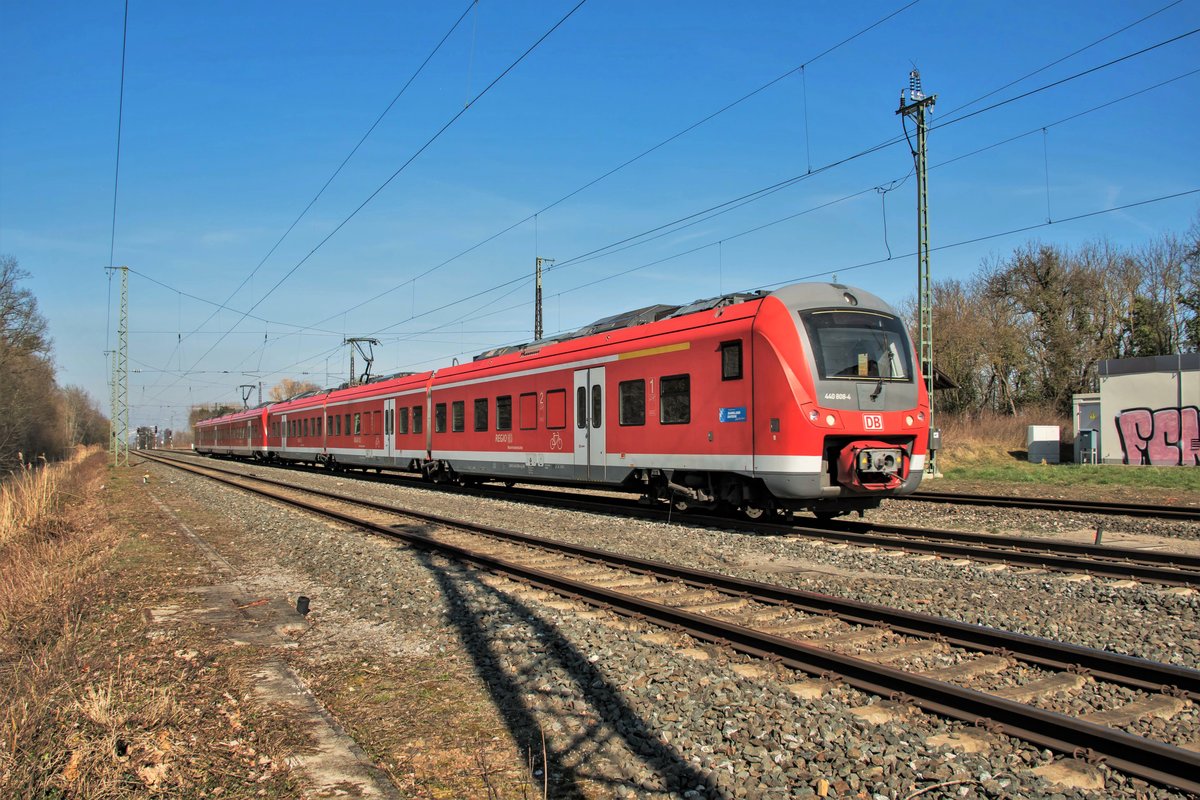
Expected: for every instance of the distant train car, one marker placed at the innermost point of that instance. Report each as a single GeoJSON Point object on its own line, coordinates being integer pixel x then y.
{"type": "Point", "coordinates": [807, 397]}
{"type": "Point", "coordinates": [240, 434]}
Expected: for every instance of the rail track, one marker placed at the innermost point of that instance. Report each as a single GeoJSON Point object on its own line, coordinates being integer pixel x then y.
{"type": "Point", "coordinates": [1163, 567]}
{"type": "Point", "coordinates": [836, 640]}
{"type": "Point", "coordinates": [1182, 513]}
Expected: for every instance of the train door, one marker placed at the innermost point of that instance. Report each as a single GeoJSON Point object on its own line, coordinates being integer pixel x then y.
{"type": "Point", "coordinates": [389, 427]}
{"type": "Point", "coordinates": [283, 432]}
{"type": "Point", "coordinates": [589, 424]}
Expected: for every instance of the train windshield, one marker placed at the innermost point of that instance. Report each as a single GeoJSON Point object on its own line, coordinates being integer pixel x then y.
{"type": "Point", "coordinates": [858, 345]}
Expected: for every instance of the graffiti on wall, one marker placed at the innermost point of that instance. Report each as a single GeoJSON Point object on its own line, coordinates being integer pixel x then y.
{"type": "Point", "coordinates": [1164, 437]}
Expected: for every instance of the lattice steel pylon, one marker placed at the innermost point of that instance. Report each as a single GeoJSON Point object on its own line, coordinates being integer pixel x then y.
{"type": "Point", "coordinates": [914, 106]}
{"type": "Point", "coordinates": [119, 438]}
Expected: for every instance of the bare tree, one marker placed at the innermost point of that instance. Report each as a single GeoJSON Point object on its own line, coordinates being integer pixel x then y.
{"type": "Point", "coordinates": [288, 388]}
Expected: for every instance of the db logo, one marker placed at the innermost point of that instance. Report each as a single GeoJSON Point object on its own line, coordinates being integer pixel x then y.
{"type": "Point", "coordinates": [873, 422]}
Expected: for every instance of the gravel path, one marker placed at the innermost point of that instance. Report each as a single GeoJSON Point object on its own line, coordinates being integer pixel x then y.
{"type": "Point", "coordinates": [627, 711]}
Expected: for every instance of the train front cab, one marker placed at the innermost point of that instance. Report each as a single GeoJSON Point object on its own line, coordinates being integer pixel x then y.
{"type": "Point", "coordinates": [841, 416]}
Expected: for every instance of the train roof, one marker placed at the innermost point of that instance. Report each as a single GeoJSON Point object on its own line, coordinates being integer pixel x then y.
{"type": "Point", "coordinates": [629, 319]}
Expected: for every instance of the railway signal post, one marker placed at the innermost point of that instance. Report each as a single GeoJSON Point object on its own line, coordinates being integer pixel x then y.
{"type": "Point", "coordinates": [914, 106]}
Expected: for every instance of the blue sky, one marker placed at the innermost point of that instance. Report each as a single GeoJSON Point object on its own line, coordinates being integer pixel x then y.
{"type": "Point", "coordinates": [236, 114]}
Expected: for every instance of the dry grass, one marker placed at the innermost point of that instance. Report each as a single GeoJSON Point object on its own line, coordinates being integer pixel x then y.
{"type": "Point", "coordinates": [982, 438]}
{"type": "Point", "coordinates": [30, 495]}
{"type": "Point", "coordinates": [92, 705]}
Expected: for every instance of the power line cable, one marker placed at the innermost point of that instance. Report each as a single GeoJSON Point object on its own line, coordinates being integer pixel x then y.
{"type": "Point", "coordinates": [789, 217]}
{"type": "Point", "coordinates": [632, 160]}
{"type": "Point", "coordinates": [112, 238]}
{"type": "Point", "coordinates": [399, 170]}
{"type": "Point", "coordinates": [345, 160]}
{"type": "Point", "coordinates": [790, 181]}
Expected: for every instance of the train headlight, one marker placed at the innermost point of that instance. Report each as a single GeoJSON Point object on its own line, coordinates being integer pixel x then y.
{"type": "Point", "coordinates": [813, 415]}
{"type": "Point", "coordinates": [921, 416]}
{"type": "Point", "coordinates": [908, 420]}
{"type": "Point", "coordinates": [830, 420]}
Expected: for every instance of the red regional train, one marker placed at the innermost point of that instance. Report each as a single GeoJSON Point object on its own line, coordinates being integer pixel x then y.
{"type": "Point", "coordinates": [807, 397]}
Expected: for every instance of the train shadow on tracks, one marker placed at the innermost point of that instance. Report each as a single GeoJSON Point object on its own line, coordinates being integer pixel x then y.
{"type": "Point", "coordinates": [519, 654]}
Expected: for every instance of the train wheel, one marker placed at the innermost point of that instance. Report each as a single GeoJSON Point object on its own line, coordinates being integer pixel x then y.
{"type": "Point", "coordinates": [754, 513]}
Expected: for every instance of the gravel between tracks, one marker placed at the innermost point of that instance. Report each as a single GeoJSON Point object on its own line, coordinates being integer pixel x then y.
{"type": "Point", "coordinates": [629, 716]}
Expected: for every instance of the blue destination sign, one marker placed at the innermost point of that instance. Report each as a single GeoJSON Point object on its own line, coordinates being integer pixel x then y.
{"type": "Point", "coordinates": [737, 414]}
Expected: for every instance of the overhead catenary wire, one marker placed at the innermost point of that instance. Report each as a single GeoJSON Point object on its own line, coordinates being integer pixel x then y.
{"type": "Point", "coordinates": [843, 198]}
{"type": "Point", "coordinates": [338, 170]}
{"type": "Point", "coordinates": [112, 237]}
{"type": "Point", "coordinates": [445, 127]}
{"type": "Point", "coordinates": [755, 229]}
{"type": "Point", "coordinates": [519, 280]}
{"type": "Point", "coordinates": [864, 264]}
{"type": "Point", "coordinates": [633, 159]}
{"type": "Point", "coordinates": [766, 191]}
{"type": "Point", "coordinates": [1024, 95]}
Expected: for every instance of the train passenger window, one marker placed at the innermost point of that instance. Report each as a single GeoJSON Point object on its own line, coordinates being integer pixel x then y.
{"type": "Point", "coordinates": [581, 407]}
{"type": "Point", "coordinates": [481, 409]}
{"type": "Point", "coordinates": [675, 400]}
{"type": "Point", "coordinates": [504, 413]}
{"type": "Point", "coordinates": [320, 425]}
{"type": "Point", "coordinates": [597, 407]}
{"type": "Point", "coordinates": [402, 421]}
{"type": "Point", "coordinates": [439, 418]}
{"type": "Point", "coordinates": [556, 409]}
{"type": "Point", "coordinates": [305, 424]}
{"type": "Point", "coordinates": [632, 401]}
{"type": "Point", "coordinates": [357, 424]}
{"type": "Point", "coordinates": [337, 424]}
{"type": "Point", "coordinates": [418, 419]}
{"type": "Point", "coordinates": [731, 360]}
{"type": "Point", "coordinates": [528, 411]}
{"type": "Point", "coordinates": [349, 430]}
{"type": "Point", "coordinates": [458, 415]}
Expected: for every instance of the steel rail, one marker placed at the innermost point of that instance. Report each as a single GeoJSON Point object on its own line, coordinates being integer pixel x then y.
{"type": "Point", "coordinates": [1170, 568]}
{"type": "Point", "coordinates": [1058, 504]}
{"type": "Point", "coordinates": [1127, 670]}
{"type": "Point", "coordinates": [1136, 755]}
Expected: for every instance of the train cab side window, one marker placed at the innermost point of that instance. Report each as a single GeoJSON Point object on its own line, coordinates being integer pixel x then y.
{"type": "Point", "coordinates": [527, 411]}
{"type": "Point", "coordinates": [581, 407]}
{"type": "Point", "coordinates": [439, 418]}
{"type": "Point", "coordinates": [481, 414]}
{"type": "Point", "coordinates": [731, 360]}
{"type": "Point", "coordinates": [675, 400]}
{"type": "Point", "coordinates": [632, 401]}
{"type": "Point", "coordinates": [458, 415]}
{"type": "Point", "coordinates": [556, 409]}
{"type": "Point", "coordinates": [402, 421]}
{"type": "Point", "coordinates": [418, 419]}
